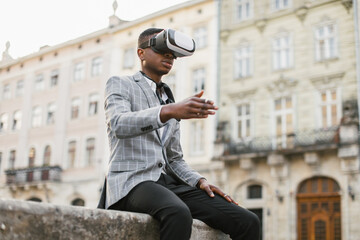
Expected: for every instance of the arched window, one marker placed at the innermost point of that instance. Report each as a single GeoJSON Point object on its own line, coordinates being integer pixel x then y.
{"type": "Point", "coordinates": [34, 199]}
{"type": "Point", "coordinates": [32, 153]}
{"type": "Point", "coordinates": [47, 155]}
{"type": "Point", "coordinates": [78, 202]}
{"type": "Point", "coordinates": [254, 191]}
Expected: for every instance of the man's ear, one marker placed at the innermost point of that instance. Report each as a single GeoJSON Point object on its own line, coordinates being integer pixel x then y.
{"type": "Point", "coordinates": [140, 53]}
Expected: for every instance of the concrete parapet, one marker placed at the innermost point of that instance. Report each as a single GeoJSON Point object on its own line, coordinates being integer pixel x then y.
{"type": "Point", "coordinates": [31, 220]}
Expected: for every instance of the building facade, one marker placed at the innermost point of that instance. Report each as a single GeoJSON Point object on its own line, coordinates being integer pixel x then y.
{"type": "Point", "coordinates": [288, 127]}
{"type": "Point", "coordinates": [53, 142]}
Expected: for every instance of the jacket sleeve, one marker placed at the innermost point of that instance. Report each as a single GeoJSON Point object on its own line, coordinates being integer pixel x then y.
{"type": "Point", "coordinates": [123, 109]}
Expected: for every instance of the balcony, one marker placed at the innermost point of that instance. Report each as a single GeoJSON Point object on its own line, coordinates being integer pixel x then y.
{"type": "Point", "coordinates": [299, 141]}
{"type": "Point", "coordinates": [33, 175]}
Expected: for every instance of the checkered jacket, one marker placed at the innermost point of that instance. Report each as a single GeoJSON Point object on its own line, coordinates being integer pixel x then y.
{"type": "Point", "coordinates": [137, 151]}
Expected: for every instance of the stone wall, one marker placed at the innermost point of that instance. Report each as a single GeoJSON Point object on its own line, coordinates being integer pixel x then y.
{"type": "Point", "coordinates": [32, 220]}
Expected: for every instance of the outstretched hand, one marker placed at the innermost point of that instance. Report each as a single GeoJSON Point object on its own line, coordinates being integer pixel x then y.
{"type": "Point", "coordinates": [211, 190]}
{"type": "Point", "coordinates": [192, 107]}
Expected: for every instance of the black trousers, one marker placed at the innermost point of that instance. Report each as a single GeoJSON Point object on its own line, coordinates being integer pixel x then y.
{"type": "Point", "coordinates": [175, 205]}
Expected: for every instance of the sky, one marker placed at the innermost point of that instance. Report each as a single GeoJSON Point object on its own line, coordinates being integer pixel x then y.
{"type": "Point", "coordinates": [31, 24]}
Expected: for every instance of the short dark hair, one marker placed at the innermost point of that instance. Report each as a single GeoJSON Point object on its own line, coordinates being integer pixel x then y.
{"type": "Point", "coordinates": [144, 36]}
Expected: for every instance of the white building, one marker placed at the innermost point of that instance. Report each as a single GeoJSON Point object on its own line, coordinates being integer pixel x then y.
{"type": "Point", "coordinates": [53, 143]}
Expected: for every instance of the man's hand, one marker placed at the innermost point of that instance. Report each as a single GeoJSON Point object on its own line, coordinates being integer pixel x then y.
{"type": "Point", "coordinates": [192, 107]}
{"type": "Point", "coordinates": [211, 189]}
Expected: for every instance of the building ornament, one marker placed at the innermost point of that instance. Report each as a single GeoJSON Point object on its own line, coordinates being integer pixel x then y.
{"type": "Point", "coordinates": [327, 81]}
{"type": "Point", "coordinates": [347, 4]}
{"type": "Point", "coordinates": [301, 12]}
{"type": "Point", "coordinates": [243, 94]}
{"type": "Point", "coordinates": [5, 55]}
{"type": "Point", "coordinates": [281, 85]}
{"type": "Point", "coordinates": [261, 24]}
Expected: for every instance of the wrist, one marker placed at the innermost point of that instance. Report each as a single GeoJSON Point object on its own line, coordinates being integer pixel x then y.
{"type": "Point", "coordinates": [201, 180]}
{"type": "Point", "coordinates": [166, 113]}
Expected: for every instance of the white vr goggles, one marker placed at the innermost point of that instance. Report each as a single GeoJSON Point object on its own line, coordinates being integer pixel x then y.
{"type": "Point", "coordinates": [169, 40]}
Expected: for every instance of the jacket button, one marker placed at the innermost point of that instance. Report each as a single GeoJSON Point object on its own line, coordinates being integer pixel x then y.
{"type": "Point", "coordinates": [160, 165]}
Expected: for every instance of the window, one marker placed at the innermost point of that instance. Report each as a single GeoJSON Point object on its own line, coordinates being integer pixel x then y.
{"type": "Point", "coordinates": [50, 118]}
{"type": "Point", "coordinates": [4, 118]}
{"type": "Point", "coordinates": [78, 202]}
{"type": "Point", "coordinates": [197, 139]}
{"type": "Point", "coordinates": [200, 37]}
{"type": "Point", "coordinates": [36, 116]}
{"type": "Point", "coordinates": [244, 9]}
{"type": "Point", "coordinates": [281, 4]}
{"type": "Point", "coordinates": [96, 66]}
{"type": "Point", "coordinates": [79, 72]}
{"type": "Point", "coordinates": [329, 108]}
{"type": "Point", "coordinates": [325, 42]}
{"type": "Point", "coordinates": [54, 77]}
{"type": "Point", "coordinates": [170, 80]}
{"type": "Point", "coordinates": [47, 155]}
{"type": "Point", "coordinates": [198, 79]}
{"type": "Point", "coordinates": [32, 154]}
{"type": "Point", "coordinates": [12, 158]}
{"type": "Point", "coordinates": [6, 91]}
{"type": "Point", "coordinates": [129, 58]}
{"type": "Point", "coordinates": [242, 62]}
{"type": "Point", "coordinates": [254, 192]}
{"type": "Point", "coordinates": [16, 125]}
{"type": "Point", "coordinates": [71, 154]}
{"type": "Point", "coordinates": [39, 82]}
{"type": "Point", "coordinates": [243, 121]}
{"type": "Point", "coordinates": [282, 52]}
{"type": "Point", "coordinates": [75, 108]}
{"type": "Point", "coordinates": [19, 88]}
{"type": "Point", "coordinates": [90, 151]}
{"type": "Point", "coordinates": [284, 120]}
{"type": "Point", "coordinates": [93, 104]}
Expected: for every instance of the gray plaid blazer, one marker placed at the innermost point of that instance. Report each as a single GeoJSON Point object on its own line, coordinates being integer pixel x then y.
{"type": "Point", "coordinates": [137, 151]}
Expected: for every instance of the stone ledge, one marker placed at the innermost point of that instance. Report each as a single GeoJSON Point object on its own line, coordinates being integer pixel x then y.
{"type": "Point", "coordinates": [31, 220]}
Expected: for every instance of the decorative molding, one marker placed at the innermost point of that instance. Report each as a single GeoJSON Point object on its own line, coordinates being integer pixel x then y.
{"type": "Point", "coordinates": [240, 95]}
{"type": "Point", "coordinates": [301, 13]}
{"type": "Point", "coordinates": [347, 4]}
{"type": "Point", "coordinates": [224, 35]}
{"type": "Point", "coordinates": [261, 24]}
{"type": "Point", "coordinates": [327, 81]}
{"type": "Point", "coordinates": [281, 85]}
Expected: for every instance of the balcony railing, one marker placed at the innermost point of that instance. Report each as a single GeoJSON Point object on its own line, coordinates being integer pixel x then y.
{"type": "Point", "coordinates": [293, 141]}
{"type": "Point", "coordinates": [33, 175]}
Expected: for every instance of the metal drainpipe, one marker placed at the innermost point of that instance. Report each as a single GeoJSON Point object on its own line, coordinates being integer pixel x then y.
{"type": "Point", "coordinates": [357, 51]}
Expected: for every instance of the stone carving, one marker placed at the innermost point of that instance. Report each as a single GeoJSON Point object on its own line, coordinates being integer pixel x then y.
{"type": "Point", "coordinates": [5, 55]}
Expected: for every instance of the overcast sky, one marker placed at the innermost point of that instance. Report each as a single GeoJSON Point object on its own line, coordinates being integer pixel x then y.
{"type": "Point", "coordinates": [30, 24]}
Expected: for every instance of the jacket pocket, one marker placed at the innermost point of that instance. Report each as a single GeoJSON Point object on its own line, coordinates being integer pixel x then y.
{"type": "Point", "coordinates": [126, 166]}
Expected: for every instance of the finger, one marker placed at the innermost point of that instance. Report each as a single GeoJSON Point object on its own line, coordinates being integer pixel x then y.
{"type": "Point", "coordinates": [199, 94]}
{"type": "Point", "coordinates": [209, 192]}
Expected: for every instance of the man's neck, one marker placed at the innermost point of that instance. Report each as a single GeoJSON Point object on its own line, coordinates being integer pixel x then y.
{"type": "Point", "coordinates": [155, 77]}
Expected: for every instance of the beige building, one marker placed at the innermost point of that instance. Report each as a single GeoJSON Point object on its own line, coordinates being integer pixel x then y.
{"type": "Point", "coordinates": [288, 127]}
{"type": "Point", "coordinates": [53, 143]}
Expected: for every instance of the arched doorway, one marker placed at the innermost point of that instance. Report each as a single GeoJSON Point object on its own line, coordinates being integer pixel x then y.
{"type": "Point", "coordinates": [318, 209]}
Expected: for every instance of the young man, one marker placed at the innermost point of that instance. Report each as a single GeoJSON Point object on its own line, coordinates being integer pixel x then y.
{"type": "Point", "coordinates": [147, 172]}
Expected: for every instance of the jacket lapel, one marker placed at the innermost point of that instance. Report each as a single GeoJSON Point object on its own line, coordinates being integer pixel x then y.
{"type": "Point", "coordinates": [152, 100]}
{"type": "Point", "coordinates": [151, 97]}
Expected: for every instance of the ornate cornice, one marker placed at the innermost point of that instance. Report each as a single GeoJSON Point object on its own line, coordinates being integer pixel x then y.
{"type": "Point", "coordinates": [327, 81]}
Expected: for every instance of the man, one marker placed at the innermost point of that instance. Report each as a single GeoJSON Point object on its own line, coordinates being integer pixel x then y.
{"type": "Point", "coordinates": [147, 172]}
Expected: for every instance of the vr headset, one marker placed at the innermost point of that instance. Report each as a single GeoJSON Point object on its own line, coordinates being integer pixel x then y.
{"type": "Point", "coordinates": [169, 40]}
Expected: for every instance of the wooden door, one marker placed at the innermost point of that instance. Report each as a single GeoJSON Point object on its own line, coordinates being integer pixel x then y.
{"type": "Point", "coordinates": [318, 207]}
